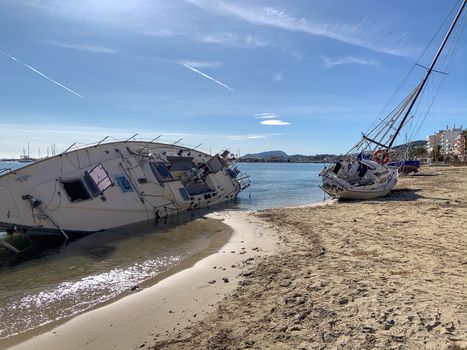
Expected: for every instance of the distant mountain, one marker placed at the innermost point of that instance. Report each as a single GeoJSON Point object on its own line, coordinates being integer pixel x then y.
{"type": "Point", "coordinates": [282, 157]}
{"type": "Point", "coordinates": [268, 154]}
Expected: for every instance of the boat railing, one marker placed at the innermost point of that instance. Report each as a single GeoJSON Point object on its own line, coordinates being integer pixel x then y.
{"type": "Point", "coordinates": [244, 181]}
{"type": "Point", "coordinates": [341, 184]}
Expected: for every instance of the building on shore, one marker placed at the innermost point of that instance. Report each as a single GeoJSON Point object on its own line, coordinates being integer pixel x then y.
{"type": "Point", "coordinates": [445, 141]}
{"type": "Point", "coordinates": [460, 149]}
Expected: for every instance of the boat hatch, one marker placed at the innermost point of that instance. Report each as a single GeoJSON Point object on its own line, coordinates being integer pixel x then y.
{"type": "Point", "coordinates": [160, 171]}
{"type": "Point", "coordinates": [124, 184]}
{"type": "Point", "coordinates": [97, 180]}
{"type": "Point", "coordinates": [180, 163]}
{"type": "Point", "coordinates": [215, 164]}
{"type": "Point", "coordinates": [75, 190]}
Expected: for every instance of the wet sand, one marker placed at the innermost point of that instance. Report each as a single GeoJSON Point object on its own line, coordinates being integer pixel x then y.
{"type": "Point", "coordinates": [381, 274]}
{"type": "Point", "coordinates": [106, 272]}
{"type": "Point", "coordinates": [385, 274]}
{"type": "Point", "coordinates": [172, 304]}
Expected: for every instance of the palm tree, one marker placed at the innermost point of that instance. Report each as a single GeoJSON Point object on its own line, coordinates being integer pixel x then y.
{"type": "Point", "coordinates": [436, 154]}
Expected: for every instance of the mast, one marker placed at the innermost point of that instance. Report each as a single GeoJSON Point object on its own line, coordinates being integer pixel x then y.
{"type": "Point", "coordinates": [424, 80]}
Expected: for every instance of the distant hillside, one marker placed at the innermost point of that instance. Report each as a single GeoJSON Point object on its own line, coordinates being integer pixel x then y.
{"type": "Point", "coordinates": [268, 154]}
{"type": "Point", "coordinates": [412, 144]}
{"type": "Point", "coordinates": [282, 157]}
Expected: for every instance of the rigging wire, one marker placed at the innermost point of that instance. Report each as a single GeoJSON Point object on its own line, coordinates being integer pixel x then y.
{"type": "Point", "coordinates": [447, 64]}
{"type": "Point", "coordinates": [399, 88]}
{"type": "Point", "coordinates": [388, 122]}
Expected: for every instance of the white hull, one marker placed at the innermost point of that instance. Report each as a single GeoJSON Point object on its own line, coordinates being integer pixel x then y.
{"type": "Point", "coordinates": [349, 183]}
{"type": "Point", "coordinates": [362, 194]}
{"type": "Point", "coordinates": [114, 184]}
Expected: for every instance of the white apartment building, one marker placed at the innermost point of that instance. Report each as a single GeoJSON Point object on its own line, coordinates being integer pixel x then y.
{"type": "Point", "coordinates": [445, 138]}
{"type": "Point", "coordinates": [459, 148]}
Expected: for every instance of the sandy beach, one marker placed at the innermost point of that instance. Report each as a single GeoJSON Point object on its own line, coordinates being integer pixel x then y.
{"type": "Point", "coordinates": [382, 274]}
{"type": "Point", "coordinates": [386, 274]}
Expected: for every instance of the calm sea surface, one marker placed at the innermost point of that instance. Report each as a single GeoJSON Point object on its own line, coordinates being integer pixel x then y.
{"type": "Point", "coordinates": [280, 184]}
{"type": "Point", "coordinates": [51, 281]}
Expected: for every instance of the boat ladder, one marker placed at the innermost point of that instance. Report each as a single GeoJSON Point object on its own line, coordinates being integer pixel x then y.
{"type": "Point", "coordinates": [37, 204]}
{"type": "Point", "coordinates": [9, 246]}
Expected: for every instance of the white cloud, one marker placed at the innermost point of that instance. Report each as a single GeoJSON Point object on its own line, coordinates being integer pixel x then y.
{"type": "Point", "coordinates": [108, 12]}
{"type": "Point", "coordinates": [201, 64]}
{"type": "Point", "coordinates": [354, 34]}
{"type": "Point", "coordinates": [274, 122]}
{"type": "Point", "coordinates": [170, 18]}
{"type": "Point", "coordinates": [43, 137]}
{"type": "Point", "coordinates": [278, 77]}
{"type": "Point", "coordinates": [234, 40]}
{"type": "Point", "coordinates": [266, 116]}
{"type": "Point", "coordinates": [330, 62]}
{"type": "Point", "coordinates": [147, 17]}
{"type": "Point", "coordinates": [83, 47]}
{"type": "Point", "coordinates": [245, 137]}
{"type": "Point", "coordinates": [260, 114]}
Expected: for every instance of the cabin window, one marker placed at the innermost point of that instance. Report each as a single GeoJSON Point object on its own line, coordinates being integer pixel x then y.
{"type": "Point", "coordinates": [124, 184]}
{"type": "Point", "coordinates": [75, 190]}
{"type": "Point", "coordinates": [97, 180]}
{"type": "Point", "coordinates": [184, 194]}
{"type": "Point", "coordinates": [160, 171]}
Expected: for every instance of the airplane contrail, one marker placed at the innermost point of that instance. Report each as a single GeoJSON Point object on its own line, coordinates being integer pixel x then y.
{"type": "Point", "coordinates": [207, 76]}
{"type": "Point", "coordinates": [41, 74]}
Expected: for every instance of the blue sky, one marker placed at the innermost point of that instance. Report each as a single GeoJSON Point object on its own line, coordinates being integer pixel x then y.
{"type": "Point", "coordinates": [304, 76]}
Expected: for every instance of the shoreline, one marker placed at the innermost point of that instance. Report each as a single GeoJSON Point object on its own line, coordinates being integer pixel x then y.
{"type": "Point", "coordinates": [325, 274]}
{"type": "Point", "coordinates": [380, 274]}
{"type": "Point", "coordinates": [183, 296]}
{"type": "Point", "coordinates": [222, 235]}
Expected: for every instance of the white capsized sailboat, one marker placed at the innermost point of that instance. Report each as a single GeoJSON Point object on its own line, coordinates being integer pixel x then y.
{"type": "Point", "coordinates": [363, 173]}
{"type": "Point", "coordinates": [108, 185]}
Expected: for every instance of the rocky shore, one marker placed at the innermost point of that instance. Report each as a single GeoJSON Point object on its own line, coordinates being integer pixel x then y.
{"type": "Point", "coordinates": [381, 274]}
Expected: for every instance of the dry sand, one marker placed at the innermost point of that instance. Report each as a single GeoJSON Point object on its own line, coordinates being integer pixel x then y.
{"type": "Point", "coordinates": [381, 274]}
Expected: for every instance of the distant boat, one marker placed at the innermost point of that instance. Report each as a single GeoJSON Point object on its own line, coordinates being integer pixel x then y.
{"type": "Point", "coordinates": [108, 185]}
{"type": "Point", "coordinates": [356, 177]}
{"type": "Point", "coordinates": [26, 159]}
{"type": "Point", "coordinates": [406, 166]}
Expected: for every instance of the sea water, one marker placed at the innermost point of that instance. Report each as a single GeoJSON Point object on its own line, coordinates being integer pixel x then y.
{"type": "Point", "coordinates": [5, 166]}
{"type": "Point", "coordinates": [52, 281]}
{"type": "Point", "coordinates": [275, 185]}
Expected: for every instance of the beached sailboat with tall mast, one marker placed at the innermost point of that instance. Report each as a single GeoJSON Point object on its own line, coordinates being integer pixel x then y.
{"type": "Point", "coordinates": [364, 172]}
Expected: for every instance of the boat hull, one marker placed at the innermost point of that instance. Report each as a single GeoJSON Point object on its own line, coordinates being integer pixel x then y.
{"type": "Point", "coordinates": [111, 185]}
{"type": "Point", "coordinates": [377, 181]}
{"type": "Point", "coordinates": [356, 194]}
{"type": "Point", "coordinates": [406, 166]}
